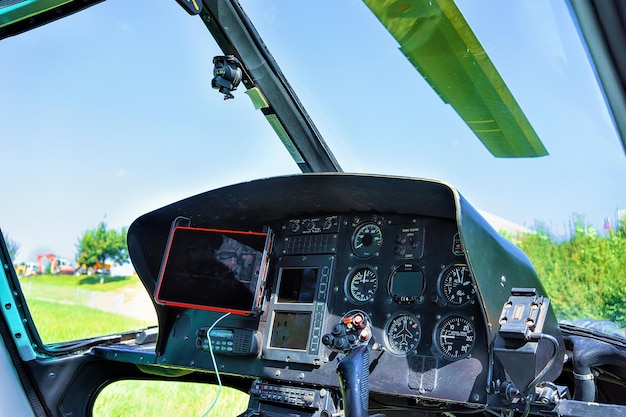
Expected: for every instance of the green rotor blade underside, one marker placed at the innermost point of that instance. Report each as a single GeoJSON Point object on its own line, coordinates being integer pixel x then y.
{"type": "Point", "coordinates": [438, 41]}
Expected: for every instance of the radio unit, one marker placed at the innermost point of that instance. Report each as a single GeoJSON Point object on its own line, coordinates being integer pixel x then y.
{"type": "Point", "coordinates": [295, 396]}
{"type": "Point", "coordinates": [228, 341]}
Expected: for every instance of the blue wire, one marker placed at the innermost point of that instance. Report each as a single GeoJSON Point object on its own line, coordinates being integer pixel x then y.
{"type": "Point", "coordinates": [217, 374]}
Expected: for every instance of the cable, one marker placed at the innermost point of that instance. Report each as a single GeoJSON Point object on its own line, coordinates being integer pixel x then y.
{"type": "Point", "coordinates": [527, 406]}
{"type": "Point", "coordinates": [217, 374]}
{"type": "Point", "coordinates": [528, 395]}
{"type": "Point", "coordinates": [546, 368]}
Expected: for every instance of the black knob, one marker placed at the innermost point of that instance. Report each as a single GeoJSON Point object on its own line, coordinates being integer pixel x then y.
{"type": "Point", "coordinates": [340, 343]}
{"type": "Point", "coordinates": [338, 329]}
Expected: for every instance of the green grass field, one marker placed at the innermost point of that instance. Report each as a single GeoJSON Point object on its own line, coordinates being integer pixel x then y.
{"type": "Point", "coordinates": [87, 282]}
{"type": "Point", "coordinates": [57, 322]}
{"type": "Point", "coordinates": [166, 398]}
{"type": "Point", "coordinates": [90, 304]}
{"type": "Point", "coordinates": [59, 317]}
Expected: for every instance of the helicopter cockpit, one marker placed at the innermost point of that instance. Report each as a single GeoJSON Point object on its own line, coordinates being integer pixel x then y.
{"type": "Point", "coordinates": [283, 281]}
{"type": "Point", "coordinates": [325, 293]}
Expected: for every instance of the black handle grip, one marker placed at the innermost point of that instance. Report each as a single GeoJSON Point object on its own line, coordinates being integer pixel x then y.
{"type": "Point", "coordinates": [354, 377]}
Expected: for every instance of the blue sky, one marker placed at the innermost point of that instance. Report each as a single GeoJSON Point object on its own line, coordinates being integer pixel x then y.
{"type": "Point", "coordinates": [109, 114]}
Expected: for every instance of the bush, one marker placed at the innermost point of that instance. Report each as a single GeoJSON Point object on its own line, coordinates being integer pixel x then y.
{"type": "Point", "coordinates": [585, 277]}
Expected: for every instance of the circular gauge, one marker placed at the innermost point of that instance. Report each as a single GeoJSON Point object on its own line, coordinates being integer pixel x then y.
{"type": "Point", "coordinates": [456, 284]}
{"type": "Point", "coordinates": [362, 283]}
{"type": "Point", "coordinates": [403, 333]}
{"type": "Point", "coordinates": [455, 337]}
{"type": "Point", "coordinates": [366, 240]}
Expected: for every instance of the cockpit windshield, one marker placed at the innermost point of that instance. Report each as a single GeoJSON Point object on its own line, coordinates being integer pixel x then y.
{"type": "Point", "coordinates": [380, 115]}
{"type": "Point", "coordinates": [111, 113]}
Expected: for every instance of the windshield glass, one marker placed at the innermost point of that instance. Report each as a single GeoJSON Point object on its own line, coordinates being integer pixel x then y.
{"type": "Point", "coordinates": [109, 114]}
{"type": "Point", "coordinates": [380, 115]}
{"type": "Point", "coordinates": [106, 115]}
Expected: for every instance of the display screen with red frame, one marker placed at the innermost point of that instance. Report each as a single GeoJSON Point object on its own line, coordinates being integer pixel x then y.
{"type": "Point", "coordinates": [213, 269]}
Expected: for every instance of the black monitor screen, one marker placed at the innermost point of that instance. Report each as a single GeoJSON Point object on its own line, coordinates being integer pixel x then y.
{"type": "Point", "coordinates": [297, 285]}
{"type": "Point", "coordinates": [407, 283]}
{"type": "Point", "coordinates": [290, 330]}
{"type": "Point", "coordinates": [212, 269]}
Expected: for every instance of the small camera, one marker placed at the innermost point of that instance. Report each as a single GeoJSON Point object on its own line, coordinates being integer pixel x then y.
{"type": "Point", "coordinates": [226, 75]}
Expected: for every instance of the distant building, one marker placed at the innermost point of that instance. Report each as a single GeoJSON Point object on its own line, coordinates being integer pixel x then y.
{"type": "Point", "coordinates": [503, 225]}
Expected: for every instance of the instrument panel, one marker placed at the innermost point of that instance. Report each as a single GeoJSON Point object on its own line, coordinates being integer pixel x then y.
{"type": "Point", "coordinates": [408, 263]}
{"type": "Point", "coordinates": [407, 275]}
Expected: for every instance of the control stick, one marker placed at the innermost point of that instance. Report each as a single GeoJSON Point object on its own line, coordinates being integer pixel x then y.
{"type": "Point", "coordinates": [351, 337]}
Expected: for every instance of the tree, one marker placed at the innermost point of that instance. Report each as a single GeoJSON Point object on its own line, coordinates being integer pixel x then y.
{"type": "Point", "coordinates": [99, 245]}
{"type": "Point", "coordinates": [12, 246]}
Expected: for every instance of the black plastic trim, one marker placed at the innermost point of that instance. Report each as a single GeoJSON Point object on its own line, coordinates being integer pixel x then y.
{"type": "Point", "coordinates": [235, 34]}
{"type": "Point", "coordinates": [46, 17]}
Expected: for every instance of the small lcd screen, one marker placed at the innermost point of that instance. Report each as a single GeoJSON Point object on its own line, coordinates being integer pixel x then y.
{"type": "Point", "coordinates": [212, 269]}
{"type": "Point", "coordinates": [221, 334]}
{"type": "Point", "coordinates": [407, 284]}
{"type": "Point", "coordinates": [290, 330]}
{"type": "Point", "coordinates": [297, 285]}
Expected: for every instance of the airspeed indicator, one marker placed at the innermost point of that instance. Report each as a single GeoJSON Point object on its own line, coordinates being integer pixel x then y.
{"type": "Point", "coordinates": [367, 240]}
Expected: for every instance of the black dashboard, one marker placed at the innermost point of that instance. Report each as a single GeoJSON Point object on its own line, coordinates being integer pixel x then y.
{"type": "Point", "coordinates": [407, 275]}
{"type": "Point", "coordinates": [409, 257]}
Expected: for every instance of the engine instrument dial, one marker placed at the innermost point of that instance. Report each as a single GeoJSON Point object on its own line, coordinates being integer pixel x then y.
{"type": "Point", "coordinates": [403, 333]}
{"type": "Point", "coordinates": [456, 285]}
{"type": "Point", "coordinates": [362, 283]}
{"type": "Point", "coordinates": [455, 337]}
{"type": "Point", "coordinates": [367, 240]}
